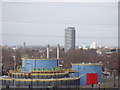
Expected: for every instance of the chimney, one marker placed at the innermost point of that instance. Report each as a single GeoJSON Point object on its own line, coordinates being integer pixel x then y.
{"type": "Point", "coordinates": [48, 51]}
{"type": "Point", "coordinates": [58, 51]}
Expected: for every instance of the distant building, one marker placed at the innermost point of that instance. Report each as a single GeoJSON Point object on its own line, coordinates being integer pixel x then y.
{"type": "Point", "coordinates": [24, 44]}
{"type": "Point", "coordinates": [93, 45]}
{"type": "Point", "coordinates": [69, 38]}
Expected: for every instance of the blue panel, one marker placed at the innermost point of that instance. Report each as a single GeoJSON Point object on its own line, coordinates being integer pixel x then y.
{"type": "Point", "coordinates": [46, 64]}
{"type": "Point", "coordinates": [87, 69]}
{"type": "Point", "coordinates": [29, 64]}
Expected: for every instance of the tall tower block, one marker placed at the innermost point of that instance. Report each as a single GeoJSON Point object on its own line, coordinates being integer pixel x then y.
{"type": "Point", "coordinates": [69, 38]}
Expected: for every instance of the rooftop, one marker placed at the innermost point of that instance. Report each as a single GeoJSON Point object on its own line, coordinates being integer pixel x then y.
{"type": "Point", "coordinates": [87, 64]}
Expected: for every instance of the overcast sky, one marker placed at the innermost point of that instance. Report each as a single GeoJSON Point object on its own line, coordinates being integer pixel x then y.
{"type": "Point", "coordinates": [41, 23]}
{"type": "Point", "coordinates": [59, 0]}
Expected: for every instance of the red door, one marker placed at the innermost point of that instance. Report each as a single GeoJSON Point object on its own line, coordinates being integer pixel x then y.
{"type": "Point", "coordinates": [91, 78]}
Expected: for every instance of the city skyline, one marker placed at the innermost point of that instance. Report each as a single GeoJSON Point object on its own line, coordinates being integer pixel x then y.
{"type": "Point", "coordinates": [44, 23]}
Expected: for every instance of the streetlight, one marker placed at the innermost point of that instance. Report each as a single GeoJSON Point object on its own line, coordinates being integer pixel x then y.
{"type": "Point", "coordinates": [14, 68]}
{"type": "Point", "coordinates": [36, 53]}
{"type": "Point", "coordinates": [14, 58]}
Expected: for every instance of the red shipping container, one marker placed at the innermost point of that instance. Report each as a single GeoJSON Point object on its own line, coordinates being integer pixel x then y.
{"type": "Point", "coordinates": [91, 78]}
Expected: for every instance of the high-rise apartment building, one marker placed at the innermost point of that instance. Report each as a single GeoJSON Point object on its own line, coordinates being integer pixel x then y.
{"type": "Point", "coordinates": [69, 38]}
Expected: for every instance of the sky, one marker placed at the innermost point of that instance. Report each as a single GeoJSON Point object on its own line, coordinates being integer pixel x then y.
{"type": "Point", "coordinates": [59, 0]}
{"type": "Point", "coordinates": [42, 23]}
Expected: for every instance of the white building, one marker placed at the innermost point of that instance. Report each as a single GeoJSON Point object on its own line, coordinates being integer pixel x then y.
{"type": "Point", "coordinates": [93, 45]}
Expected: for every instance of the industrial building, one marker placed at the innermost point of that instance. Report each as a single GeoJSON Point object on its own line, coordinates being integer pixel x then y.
{"type": "Point", "coordinates": [46, 72]}
{"type": "Point", "coordinates": [69, 38]}
{"type": "Point", "coordinates": [91, 72]}
{"type": "Point", "coordinates": [40, 73]}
